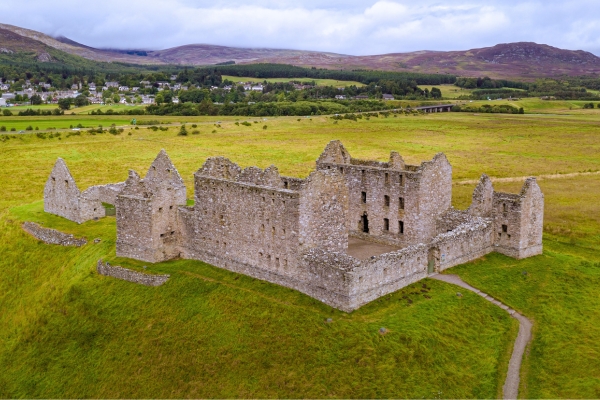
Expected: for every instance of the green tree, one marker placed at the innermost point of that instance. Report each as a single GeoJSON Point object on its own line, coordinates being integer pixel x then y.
{"type": "Point", "coordinates": [36, 99]}
{"type": "Point", "coordinates": [65, 104]}
{"type": "Point", "coordinates": [436, 93]}
{"type": "Point", "coordinates": [81, 101]}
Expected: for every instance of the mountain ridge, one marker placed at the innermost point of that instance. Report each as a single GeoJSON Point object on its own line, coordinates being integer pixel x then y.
{"type": "Point", "coordinates": [526, 60]}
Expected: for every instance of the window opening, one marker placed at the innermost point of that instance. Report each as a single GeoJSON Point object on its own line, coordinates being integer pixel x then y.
{"type": "Point", "coordinates": [386, 224]}
{"type": "Point", "coordinates": [363, 197]}
{"type": "Point", "coordinates": [386, 200]}
{"type": "Point", "coordinates": [504, 228]}
{"type": "Point", "coordinates": [401, 227]}
{"type": "Point", "coordinates": [401, 203]}
{"type": "Point", "coordinates": [364, 223]}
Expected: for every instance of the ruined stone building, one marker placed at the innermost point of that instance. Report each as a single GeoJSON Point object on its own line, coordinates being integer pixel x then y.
{"type": "Point", "coordinates": [305, 233]}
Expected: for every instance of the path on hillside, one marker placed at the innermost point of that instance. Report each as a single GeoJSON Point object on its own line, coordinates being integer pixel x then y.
{"type": "Point", "coordinates": [522, 178]}
{"type": "Point", "coordinates": [510, 390]}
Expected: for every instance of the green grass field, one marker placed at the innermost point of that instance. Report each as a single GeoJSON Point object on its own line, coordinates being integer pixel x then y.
{"type": "Point", "coordinates": [319, 82]}
{"type": "Point", "coordinates": [67, 332]}
{"type": "Point", "coordinates": [449, 91]}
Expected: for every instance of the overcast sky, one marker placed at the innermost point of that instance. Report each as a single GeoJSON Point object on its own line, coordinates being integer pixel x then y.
{"type": "Point", "coordinates": [341, 26]}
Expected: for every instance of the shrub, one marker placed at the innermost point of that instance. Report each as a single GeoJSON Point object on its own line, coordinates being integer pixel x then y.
{"type": "Point", "coordinates": [246, 123]}
{"type": "Point", "coordinates": [194, 126]}
{"type": "Point", "coordinates": [196, 132]}
{"type": "Point", "coordinates": [264, 127]}
{"type": "Point", "coordinates": [13, 129]}
{"type": "Point", "coordinates": [29, 128]}
{"type": "Point", "coordinates": [2, 128]}
{"type": "Point", "coordinates": [7, 113]}
{"type": "Point", "coordinates": [214, 131]}
{"type": "Point", "coordinates": [41, 135]}
{"type": "Point", "coordinates": [182, 131]}
{"type": "Point", "coordinates": [148, 122]}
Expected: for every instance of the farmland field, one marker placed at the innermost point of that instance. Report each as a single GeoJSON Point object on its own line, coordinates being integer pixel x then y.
{"type": "Point", "coordinates": [67, 332]}
{"type": "Point", "coordinates": [319, 82]}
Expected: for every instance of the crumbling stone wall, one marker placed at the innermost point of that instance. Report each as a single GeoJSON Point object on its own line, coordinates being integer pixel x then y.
{"type": "Point", "coordinates": [518, 221]}
{"type": "Point", "coordinates": [323, 211]}
{"type": "Point", "coordinates": [294, 232]}
{"type": "Point", "coordinates": [392, 203]}
{"type": "Point", "coordinates": [147, 219]}
{"type": "Point", "coordinates": [131, 276]}
{"type": "Point", "coordinates": [62, 197]}
{"type": "Point", "coordinates": [52, 236]}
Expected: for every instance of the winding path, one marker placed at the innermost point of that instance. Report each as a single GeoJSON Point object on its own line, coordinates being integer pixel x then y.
{"type": "Point", "coordinates": [510, 390]}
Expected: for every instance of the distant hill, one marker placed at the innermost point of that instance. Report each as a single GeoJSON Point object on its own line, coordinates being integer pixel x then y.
{"type": "Point", "coordinates": [509, 60]}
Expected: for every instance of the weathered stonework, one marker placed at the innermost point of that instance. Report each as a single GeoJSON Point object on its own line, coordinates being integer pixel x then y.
{"type": "Point", "coordinates": [294, 232]}
{"type": "Point", "coordinates": [62, 197]}
{"type": "Point", "coordinates": [131, 276]}
{"type": "Point", "coordinates": [52, 236]}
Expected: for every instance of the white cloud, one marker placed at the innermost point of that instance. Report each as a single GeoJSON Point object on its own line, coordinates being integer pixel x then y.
{"type": "Point", "coordinates": [351, 26]}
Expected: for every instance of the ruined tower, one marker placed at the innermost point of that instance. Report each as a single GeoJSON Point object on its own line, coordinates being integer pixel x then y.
{"type": "Point", "coordinates": [518, 221]}
{"type": "Point", "coordinates": [391, 202]}
{"type": "Point", "coordinates": [147, 226]}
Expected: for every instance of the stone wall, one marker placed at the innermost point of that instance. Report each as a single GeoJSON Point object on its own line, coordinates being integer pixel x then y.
{"type": "Point", "coordinates": [62, 197]}
{"type": "Point", "coordinates": [294, 232]}
{"type": "Point", "coordinates": [518, 221]}
{"type": "Point", "coordinates": [147, 213]}
{"type": "Point", "coordinates": [392, 203]}
{"type": "Point", "coordinates": [131, 276]}
{"type": "Point", "coordinates": [52, 236]}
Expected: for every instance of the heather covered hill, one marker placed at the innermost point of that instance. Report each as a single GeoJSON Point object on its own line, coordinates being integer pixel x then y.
{"type": "Point", "coordinates": [524, 60]}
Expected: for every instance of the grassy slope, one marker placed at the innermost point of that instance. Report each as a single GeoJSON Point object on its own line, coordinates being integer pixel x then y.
{"type": "Point", "coordinates": [210, 333]}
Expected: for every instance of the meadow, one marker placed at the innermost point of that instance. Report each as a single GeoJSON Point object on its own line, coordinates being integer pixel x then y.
{"type": "Point", "coordinates": [68, 332]}
{"type": "Point", "coordinates": [318, 82]}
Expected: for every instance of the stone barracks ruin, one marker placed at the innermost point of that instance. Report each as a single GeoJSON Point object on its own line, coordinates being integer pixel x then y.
{"type": "Point", "coordinates": [353, 231]}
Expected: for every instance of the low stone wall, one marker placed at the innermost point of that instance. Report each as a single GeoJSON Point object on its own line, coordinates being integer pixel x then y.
{"type": "Point", "coordinates": [131, 276]}
{"type": "Point", "coordinates": [52, 236]}
{"type": "Point", "coordinates": [465, 243]}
